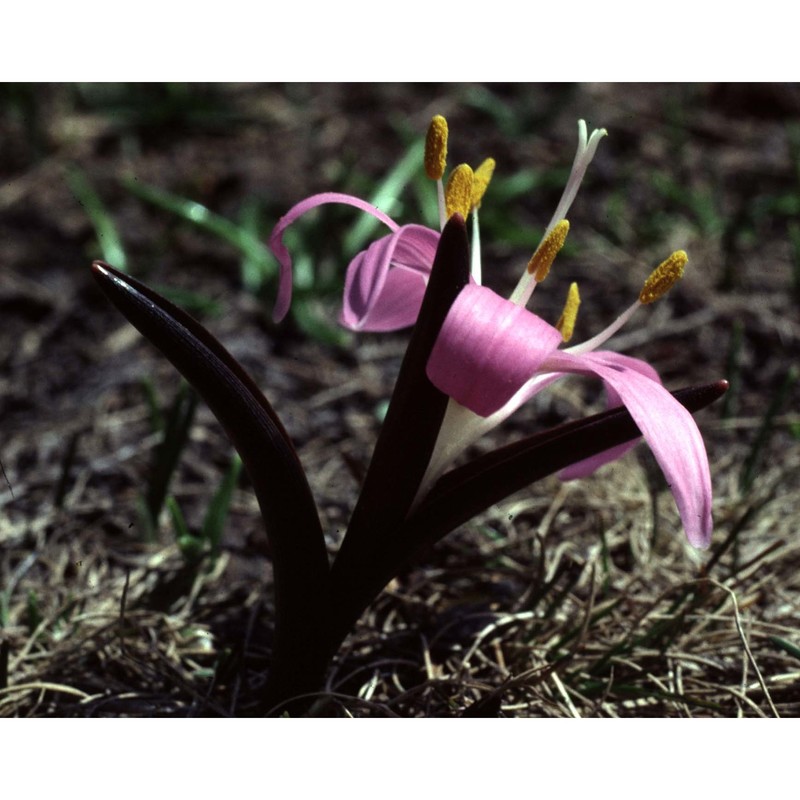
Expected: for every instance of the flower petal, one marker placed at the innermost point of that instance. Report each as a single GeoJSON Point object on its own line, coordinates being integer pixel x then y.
{"type": "Point", "coordinates": [277, 246]}
{"type": "Point", "coordinates": [667, 427]}
{"type": "Point", "coordinates": [586, 467]}
{"type": "Point", "coordinates": [487, 349]}
{"type": "Point", "coordinates": [385, 283]}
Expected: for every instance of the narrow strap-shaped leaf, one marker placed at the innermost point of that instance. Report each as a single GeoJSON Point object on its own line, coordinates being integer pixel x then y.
{"type": "Point", "coordinates": [167, 454]}
{"type": "Point", "coordinates": [417, 407]}
{"type": "Point", "coordinates": [301, 570]}
{"type": "Point", "coordinates": [404, 447]}
{"type": "Point", "coordinates": [466, 491]}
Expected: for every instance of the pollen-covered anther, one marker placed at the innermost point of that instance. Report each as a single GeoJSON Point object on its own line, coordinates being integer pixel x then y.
{"type": "Point", "coordinates": [458, 195]}
{"type": "Point", "coordinates": [546, 253]}
{"type": "Point", "coordinates": [663, 277]}
{"type": "Point", "coordinates": [436, 148]}
{"type": "Point", "coordinates": [482, 177]}
{"type": "Point", "coordinates": [566, 322]}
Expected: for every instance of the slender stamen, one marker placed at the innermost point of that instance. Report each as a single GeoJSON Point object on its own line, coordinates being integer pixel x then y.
{"type": "Point", "coordinates": [587, 146]}
{"type": "Point", "coordinates": [480, 183]}
{"type": "Point", "coordinates": [540, 263]}
{"type": "Point", "coordinates": [482, 178]}
{"type": "Point", "coordinates": [663, 277]}
{"type": "Point", "coordinates": [475, 252]}
{"type": "Point", "coordinates": [441, 204]}
{"type": "Point", "coordinates": [546, 252]}
{"type": "Point", "coordinates": [606, 334]}
{"type": "Point", "coordinates": [436, 148]}
{"type": "Point", "coordinates": [458, 195]}
{"type": "Point", "coordinates": [436, 160]}
{"type": "Point", "coordinates": [661, 280]}
{"type": "Point", "coordinates": [566, 322]}
{"type": "Point", "coordinates": [583, 157]}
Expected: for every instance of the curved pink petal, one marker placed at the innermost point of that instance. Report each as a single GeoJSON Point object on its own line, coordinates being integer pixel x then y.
{"type": "Point", "coordinates": [385, 283]}
{"type": "Point", "coordinates": [487, 349]}
{"type": "Point", "coordinates": [668, 428]}
{"type": "Point", "coordinates": [589, 465]}
{"type": "Point", "coordinates": [277, 246]}
{"type": "Point", "coordinates": [491, 356]}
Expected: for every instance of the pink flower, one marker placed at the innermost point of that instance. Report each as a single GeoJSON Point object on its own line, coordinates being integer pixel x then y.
{"type": "Point", "coordinates": [384, 284]}
{"type": "Point", "coordinates": [492, 354]}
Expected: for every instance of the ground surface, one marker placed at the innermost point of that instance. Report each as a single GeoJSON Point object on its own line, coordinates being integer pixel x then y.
{"type": "Point", "coordinates": [567, 599]}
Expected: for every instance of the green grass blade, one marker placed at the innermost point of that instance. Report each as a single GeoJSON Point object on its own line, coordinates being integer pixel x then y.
{"type": "Point", "coordinates": [178, 520]}
{"type": "Point", "coordinates": [217, 513]}
{"type": "Point", "coordinates": [311, 319]}
{"type": "Point", "coordinates": [107, 235]}
{"type": "Point", "coordinates": [192, 302]}
{"type": "Point", "coordinates": [733, 372]}
{"type": "Point", "coordinates": [254, 270]}
{"type": "Point", "coordinates": [239, 236]}
{"type": "Point", "coordinates": [192, 547]}
{"type": "Point", "coordinates": [786, 646]}
{"type": "Point", "coordinates": [157, 421]}
{"type": "Point", "coordinates": [32, 611]}
{"type": "Point", "coordinates": [386, 196]}
{"type": "Point", "coordinates": [167, 455]}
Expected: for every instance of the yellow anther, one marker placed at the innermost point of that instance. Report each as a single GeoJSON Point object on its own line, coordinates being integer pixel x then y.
{"type": "Point", "coordinates": [481, 183]}
{"type": "Point", "coordinates": [566, 322]}
{"type": "Point", "coordinates": [436, 148]}
{"type": "Point", "coordinates": [663, 277]}
{"type": "Point", "coordinates": [458, 195]}
{"type": "Point", "coordinates": [545, 254]}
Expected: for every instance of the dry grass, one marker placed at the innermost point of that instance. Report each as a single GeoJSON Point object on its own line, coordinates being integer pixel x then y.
{"type": "Point", "coordinates": [569, 600]}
